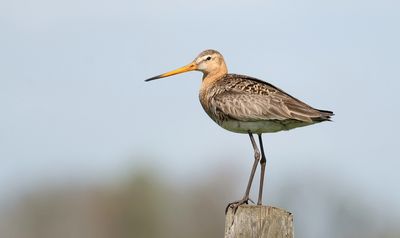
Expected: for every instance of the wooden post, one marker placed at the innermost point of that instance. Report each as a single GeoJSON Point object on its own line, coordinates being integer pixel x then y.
{"type": "Point", "coordinates": [259, 222]}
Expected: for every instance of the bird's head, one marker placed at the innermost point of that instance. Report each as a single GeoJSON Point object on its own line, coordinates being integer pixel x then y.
{"type": "Point", "coordinates": [209, 62]}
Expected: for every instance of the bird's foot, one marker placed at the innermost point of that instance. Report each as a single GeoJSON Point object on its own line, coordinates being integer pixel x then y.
{"type": "Point", "coordinates": [235, 205]}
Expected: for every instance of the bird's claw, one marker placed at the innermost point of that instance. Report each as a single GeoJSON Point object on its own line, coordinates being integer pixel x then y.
{"type": "Point", "coordinates": [251, 201]}
{"type": "Point", "coordinates": [235, 205]}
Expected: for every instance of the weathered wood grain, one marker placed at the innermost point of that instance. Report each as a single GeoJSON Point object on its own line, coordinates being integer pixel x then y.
{"type": "Point", "coordinates": [259, 222]}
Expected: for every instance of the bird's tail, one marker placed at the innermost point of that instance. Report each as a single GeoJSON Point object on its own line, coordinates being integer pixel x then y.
{"type": "Point", "coordinates": [325, 115]}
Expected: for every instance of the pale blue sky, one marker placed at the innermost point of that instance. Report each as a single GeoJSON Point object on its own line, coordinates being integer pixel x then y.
{"type": "Point", "coordinates": [74, 105]}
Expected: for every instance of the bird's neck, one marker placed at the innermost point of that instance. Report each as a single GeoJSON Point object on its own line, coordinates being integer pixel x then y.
{"type": "Point", "coordinates": [210, 77]}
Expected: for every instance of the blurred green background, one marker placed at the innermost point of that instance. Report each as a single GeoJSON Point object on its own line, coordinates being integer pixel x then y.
{"type": "Point", "coordinates": [87, 149]}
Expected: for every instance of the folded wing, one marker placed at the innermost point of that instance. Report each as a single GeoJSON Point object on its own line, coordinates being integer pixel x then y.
{"type": "Point", "coordinates": [247, 99]}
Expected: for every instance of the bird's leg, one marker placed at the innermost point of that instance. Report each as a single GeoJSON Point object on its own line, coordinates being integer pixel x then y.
{"type": "Point", "coordinates": [263, 161]}
{"type": "Point", "coordinates": [246, 198]}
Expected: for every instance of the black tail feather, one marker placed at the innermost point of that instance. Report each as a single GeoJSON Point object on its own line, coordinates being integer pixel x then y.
{"type": "Point", "coordinates": [325, 115]}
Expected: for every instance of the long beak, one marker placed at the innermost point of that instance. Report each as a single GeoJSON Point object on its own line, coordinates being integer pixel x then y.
{"type": "Point", "coordinates": [189, 67]}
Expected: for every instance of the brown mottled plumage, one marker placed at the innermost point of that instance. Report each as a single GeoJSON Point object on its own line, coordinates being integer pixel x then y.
{"type": "Point", "coordinates": [244, 104]}
{"type": "Point", "coordinates": [249, 103]}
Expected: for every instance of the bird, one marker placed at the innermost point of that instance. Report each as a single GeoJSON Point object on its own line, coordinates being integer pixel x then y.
{"type": "Point", "coordinates": [247, 105]}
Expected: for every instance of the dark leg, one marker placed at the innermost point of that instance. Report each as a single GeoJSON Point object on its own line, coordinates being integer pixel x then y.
{"type": "Point", "coordinates": [263, 161]}
{"type": "Point", "coordinates": [245, 199]}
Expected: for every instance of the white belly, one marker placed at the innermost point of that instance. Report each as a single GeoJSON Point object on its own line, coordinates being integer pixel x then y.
{"type": "Point", "coordinates": [259, 127]}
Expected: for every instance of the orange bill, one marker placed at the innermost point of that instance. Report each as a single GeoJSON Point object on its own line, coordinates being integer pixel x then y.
{"type": "Point", "coordinates": [189, 67]}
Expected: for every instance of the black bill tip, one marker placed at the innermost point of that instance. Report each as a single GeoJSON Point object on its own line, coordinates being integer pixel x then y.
{"type": "Point", "coordinates": [152, 78]}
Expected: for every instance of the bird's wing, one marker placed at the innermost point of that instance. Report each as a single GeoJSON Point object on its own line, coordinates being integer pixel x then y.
{"type": "Point", "coordinates": [248, 99]}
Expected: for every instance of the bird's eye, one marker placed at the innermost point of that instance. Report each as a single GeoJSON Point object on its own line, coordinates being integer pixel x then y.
{"type": "Point", "coordinates": [208, 58]}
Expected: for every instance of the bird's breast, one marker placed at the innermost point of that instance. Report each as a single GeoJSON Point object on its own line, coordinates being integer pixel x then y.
{"type": "Point", "coordinates": [206, 97]}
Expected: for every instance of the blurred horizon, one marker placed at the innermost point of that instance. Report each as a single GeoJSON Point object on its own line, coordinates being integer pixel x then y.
{"type": "Point", "coordinates": [77, 116]}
